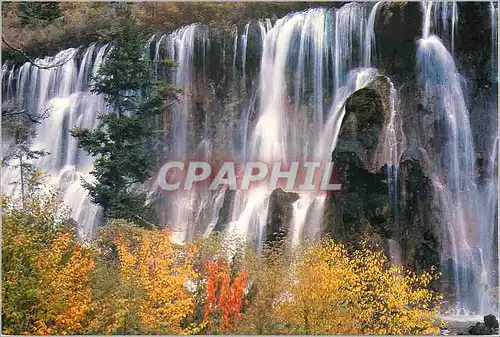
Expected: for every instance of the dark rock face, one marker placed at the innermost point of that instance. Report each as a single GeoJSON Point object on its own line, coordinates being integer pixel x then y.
{"type": "Point", "coordinates": [397, 29]}
{"type": "Point", "coordinates": [366, 112]}
{"type": "Point", "coordinates": [363, 209]}
{"type": "Point", "coordinates": [489, 327]}
{"type": "Point", "coordinates": [474, 57]}
{"type": "Point", "coordinates": [415, 226]}
{"type": "Point", "coordinates": [224, 212]}
{"type": "Point", "coordinates": [280, 214]}
{"type": "Point", "coordinates": [367, 210]}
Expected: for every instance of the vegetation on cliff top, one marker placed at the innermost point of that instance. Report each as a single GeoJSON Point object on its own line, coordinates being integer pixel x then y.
{"type": "Point", "coordinates": [44, 28]}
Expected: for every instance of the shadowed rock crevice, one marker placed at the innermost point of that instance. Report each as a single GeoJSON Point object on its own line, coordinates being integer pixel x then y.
{"type": "Point", "coordinates": [363, 209]}
{"type": "Point", "coordinates": [280, 214]}
{"type": "Point", "coordinates": [367, 211]}
{"type": "Point", "coordinates": [416, 227]}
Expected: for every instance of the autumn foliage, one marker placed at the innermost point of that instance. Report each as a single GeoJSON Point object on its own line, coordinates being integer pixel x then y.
{"type": "Point", "coordinates": [142, 277]}
{"type": "Point", "coordinates": [45, 271]}
{"type": "Point", "coordinates": [224, 296]}
{"type": "Point", "coordinates": [334, 292]}
{"type": "Point", "coordinates": [64, 288]}
{"type": "Point", "coordinates": [132, 280]}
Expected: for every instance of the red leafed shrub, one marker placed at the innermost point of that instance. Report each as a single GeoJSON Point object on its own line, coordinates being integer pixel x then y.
{"type": "Point", "coordinates": [224, 296]}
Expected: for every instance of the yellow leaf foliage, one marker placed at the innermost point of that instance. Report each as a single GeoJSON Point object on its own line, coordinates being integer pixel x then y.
{"type": "Point", "coordinates": [268, 273]}
{"type": "Point", "coordinates": [132, 280]}
{"type": "Point", "coordinates": [65, 291]}
{"type": "Point", "coordinates": [150, 292]}
{"type": "Point", "coordinates": [45, 271]}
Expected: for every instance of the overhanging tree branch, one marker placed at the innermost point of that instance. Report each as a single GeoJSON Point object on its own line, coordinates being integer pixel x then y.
{"type": "Point", "coordinates": [23, 113]}
{"type": "Point", "coordinates": [11, 109]}
{"type": "Point", "coordinates": [27, 57]}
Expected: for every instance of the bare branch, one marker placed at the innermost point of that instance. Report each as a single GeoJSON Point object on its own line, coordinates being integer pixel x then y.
{"type": "Point", "coordinates": [23, 113]}
{"type": "Point", "coordinates": [145, 221]}
{"type": "Point", "coordinates": [11, 109]}
{"type": "Point", "coordinates": [27, 57]}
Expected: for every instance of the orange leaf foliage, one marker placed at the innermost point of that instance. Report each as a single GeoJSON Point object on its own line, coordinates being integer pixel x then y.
{"type": "Point", "coordinates": [150, 294]}
{"type": "Point", "coordinates": [224, 297]}
{"type": "Point", "coordinates": [65, 292]}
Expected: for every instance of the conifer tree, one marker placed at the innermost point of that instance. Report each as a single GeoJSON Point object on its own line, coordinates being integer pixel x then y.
{"type": "Point", "coordinates": [124, 141]}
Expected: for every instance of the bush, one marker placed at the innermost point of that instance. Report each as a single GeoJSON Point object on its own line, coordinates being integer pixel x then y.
{"type": "Point", "coordinates": [334, 292]}
{"type": "Point", "coordinates": [133, 280]}
{"type": "Point", "coordinates": [45, 270]}
{"type": "Point", "coordinates": [140, 282]}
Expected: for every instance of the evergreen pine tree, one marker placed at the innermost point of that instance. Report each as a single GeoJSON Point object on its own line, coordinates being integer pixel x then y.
{"type": "Point", "coordinates": [124, 141]}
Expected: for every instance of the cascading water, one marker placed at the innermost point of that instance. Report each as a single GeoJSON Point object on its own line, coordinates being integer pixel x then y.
{"type": "Point", "coordinates": [273, 136]}
{"type": "Point", "coordinates": [64, 93]}
{"type": "Point", "coordinates": [278, 94]}
{"type": "Point", "coordinates": [277, 138]}
{"type": "Point", "coordinates": [179, 46]}
{"type": "Point", "coordinates": [370, 34]}
{"type": "Point", "coordinates": [468, 212]}
{"type": "Point", "coordinates": [327, 41]}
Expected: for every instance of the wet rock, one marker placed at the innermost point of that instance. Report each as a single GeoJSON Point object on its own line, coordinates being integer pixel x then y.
{"type": "Point", "coordinates": [366, 112]}
{"type": "Point", "coordinates": [398, 27]}
{"type": "Point", "coordinates": [415, 226]}
{"type": "Point", "coordinates": [363, 206]}
{"type": "Point", "coordinates": [474, 60]}
{"type": "Point", "coordinates": [489, 327]}
{"type": "Point", "coordinates": [361, 211]}
{"type": "Point", "coordinates": [72, 225]}
{"type": "Point", "coordinates": [224, 212]}
{"type": "Point", "coordinates": [490, 321]}
{"type": "Point", "coordinates": [366, 209]}
{"type": "Point", "coordinates": [280, 213]}
{"type": "Point", "coordinates": [479, 329]}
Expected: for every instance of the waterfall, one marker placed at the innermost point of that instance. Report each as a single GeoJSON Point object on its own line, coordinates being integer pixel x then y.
{"type": "Point", "coordinates": [275, 91]}
{"type": "Point", "coordinates": [441, 16]}
{"type": "Point", "coordinates": [244, 45]}
{"type": "Point", "coordinates": [63, 93]}
{"type": "Point", "coordinates": [273, 139]}
{"type": "Point", "coordinates": [310, 206]}
{"type": "Point", "coordinates": [180, 47]}
{"type": "Point", "coordinates": [469, 222]}
{"type": "Point", "coordinates": [328, 42]}
{"type": "Point", "coordinates": [331, 46]}
{"type": "Point", "coordinates": [370, 35]}
{"type": "Point", "coordinates": [494, 36]}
